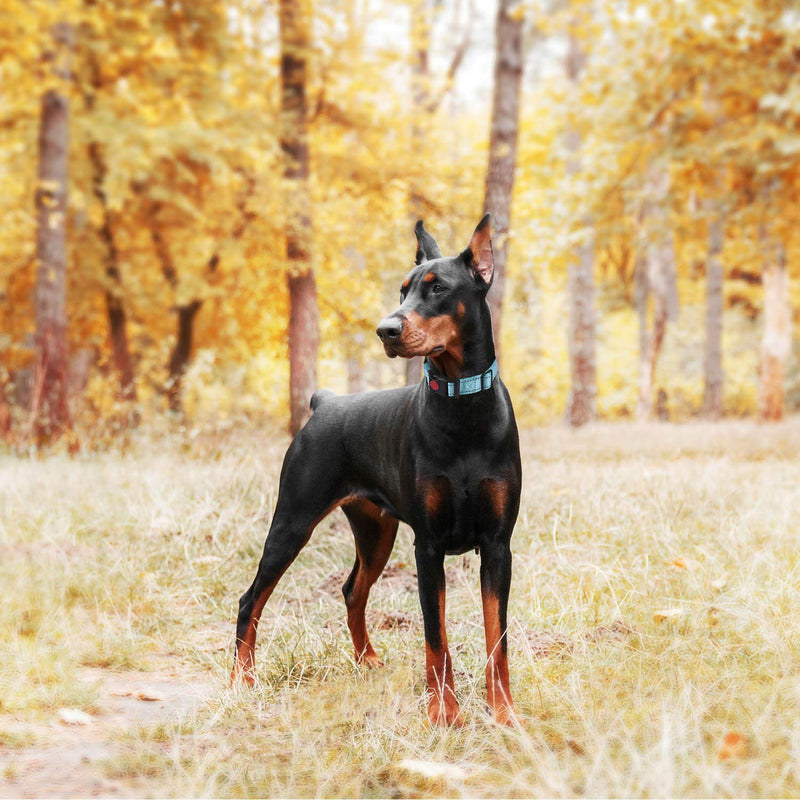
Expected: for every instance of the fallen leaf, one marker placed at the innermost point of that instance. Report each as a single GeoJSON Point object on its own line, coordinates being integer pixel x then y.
{"type": "Point", "coordinates": [734, 745]}
{"type": "Point", "coordinates": [667, 614]}
{"type": "Point", "coordinates": [74, 716]}
{"type": "Point", "coordinates": [148, 697]}
{"type": "Point", "coordinates": [576, 747]}
{"type": "Point", "coordinates": [433, 769]}
{"type": "Point", "coordinates": [682, 562]}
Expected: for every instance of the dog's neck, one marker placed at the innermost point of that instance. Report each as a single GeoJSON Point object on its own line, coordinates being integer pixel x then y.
{"type": "Point", "coordinates": [475, 352]}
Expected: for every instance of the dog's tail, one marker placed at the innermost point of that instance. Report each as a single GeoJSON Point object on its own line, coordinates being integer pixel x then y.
{"type": "Point", "coordinates": [320, 397]}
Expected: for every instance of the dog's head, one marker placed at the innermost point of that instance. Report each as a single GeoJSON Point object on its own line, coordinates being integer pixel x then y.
{"type": "Point", "coordinates": [440, 299]}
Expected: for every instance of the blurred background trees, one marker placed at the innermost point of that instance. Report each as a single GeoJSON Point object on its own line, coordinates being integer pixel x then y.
{"type": "Point", "coordinates": [161, 171]}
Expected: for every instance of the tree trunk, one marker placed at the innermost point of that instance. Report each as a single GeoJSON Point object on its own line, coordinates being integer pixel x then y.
{"type": "Point", "coordinates": [413, 370]}
{"type": "Point", "coordinates": [714, 374]}
{"type": "Point", "coordinates": [421, 23]}
{"type": "Point", "coordinates": [641, 295]}
{"type": "Point", "coordinates": [424, 104]}
{"type": "Point", "coordinates": [115, 308]}
{"type": "Point", "coordinates": [776, 342]}
{"type": "Point", "coordinates": [181, 353]}
{"type": "Point", "coordinates": [182, 350]}
{"type": "Point", "coordinates": [355, 374]}
{"type": "Point", "coordinates": [49, 407]}
{"type": "Point", "coordinates": [715, 276]}
{"type": "Point", "coordinates": [649, 358]}
{"type": "Point", "coordinates": [582, 402]}
{"type": "Point", "coordinates": [661, 281]}
{"type": "Point", "coordinates": [187, 312]}
{"type": "Point", "coordinates": [503, 148]}
{"type": "Point", "coordinates": [5, 414]}
{"type": "Point", "coordinates": [295, 24]}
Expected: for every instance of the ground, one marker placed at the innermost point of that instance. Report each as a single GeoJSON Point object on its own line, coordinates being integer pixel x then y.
{"type": "Point", "coordinates": [655, 621]}
{"type": "Point", "coordinates": [73, 748]}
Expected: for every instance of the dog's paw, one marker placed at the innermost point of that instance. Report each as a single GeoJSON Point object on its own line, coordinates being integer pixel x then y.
{"type": "Point", "coordinates": [445, 711]}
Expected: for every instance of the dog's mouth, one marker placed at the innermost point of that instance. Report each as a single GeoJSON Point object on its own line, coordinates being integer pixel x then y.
{"type": "Point", "coordinates": [395, 350]}
{"type": "Point", "coordinates": [390, 350]}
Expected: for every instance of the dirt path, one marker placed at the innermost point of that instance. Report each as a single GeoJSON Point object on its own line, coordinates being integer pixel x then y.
{"type": "Point", "coordinates": [69, 752]}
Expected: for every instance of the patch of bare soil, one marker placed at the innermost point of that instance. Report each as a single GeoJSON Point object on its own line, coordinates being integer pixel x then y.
{"type": "Point", "coordinates": [548, 644]}
{"type": "Point", "coordinates": [67, 754]}
{"type": "Point", "coordinates": [392, 620]}
{"type": "Point", "coordinates": [545, 644]}
{"type": "Point", "coordinates": [396, 577]}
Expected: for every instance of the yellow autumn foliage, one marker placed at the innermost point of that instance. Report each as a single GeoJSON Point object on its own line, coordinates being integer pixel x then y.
{"type": "Point", "coordinates": [182, 100]}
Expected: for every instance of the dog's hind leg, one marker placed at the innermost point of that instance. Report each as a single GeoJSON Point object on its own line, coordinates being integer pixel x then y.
{"type": "Point", "coordinates": [310, 488]}
{"type": "Point", "coordinates": [374, 533]}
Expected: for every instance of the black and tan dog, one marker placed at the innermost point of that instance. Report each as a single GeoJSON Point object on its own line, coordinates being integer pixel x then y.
{"type": "Point", "coordinates": [442, 456]}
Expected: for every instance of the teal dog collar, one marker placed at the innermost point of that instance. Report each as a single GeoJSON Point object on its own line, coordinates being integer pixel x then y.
{"type": "Point", "coordinates": [471, 385]}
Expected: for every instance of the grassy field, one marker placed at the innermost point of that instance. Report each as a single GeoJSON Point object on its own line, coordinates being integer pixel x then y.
{"type": "Point", "coordinates": [654, 635]}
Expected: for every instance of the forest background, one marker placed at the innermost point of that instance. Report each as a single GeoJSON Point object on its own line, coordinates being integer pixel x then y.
{"type": "Point", "coordinates": [208, 206]}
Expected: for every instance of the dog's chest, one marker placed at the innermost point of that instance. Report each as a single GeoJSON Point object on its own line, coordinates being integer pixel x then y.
{"type": "Point", "coordinates": [452, 509]}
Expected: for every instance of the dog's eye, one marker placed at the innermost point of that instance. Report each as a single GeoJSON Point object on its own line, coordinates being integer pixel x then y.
{"type": "Point", "coordinates": [438, 288]}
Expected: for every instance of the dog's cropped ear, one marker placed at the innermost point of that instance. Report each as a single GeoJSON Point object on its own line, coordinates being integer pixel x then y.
{"type": "Point", "coordinates": [427, 248]}
{"type": "Point", "coordinates": [478, 256]}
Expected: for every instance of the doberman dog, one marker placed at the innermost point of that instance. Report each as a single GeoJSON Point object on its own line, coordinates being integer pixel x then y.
{"type": "Point", "coordinates": [442, 456]}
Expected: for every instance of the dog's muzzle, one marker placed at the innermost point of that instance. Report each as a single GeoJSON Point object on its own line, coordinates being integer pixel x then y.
{"type": "Point", "coordinates": [389, 332]}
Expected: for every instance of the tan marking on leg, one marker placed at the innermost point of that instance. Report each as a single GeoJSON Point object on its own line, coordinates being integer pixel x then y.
{"type": "Point", "coordinates": [244, 665]}
{"type": "Point", "coordinates": [443, 706]}
{"type": "Point", "coordinates": [365, 577]}
{"type": "Point", "coordinates": [498, 686]}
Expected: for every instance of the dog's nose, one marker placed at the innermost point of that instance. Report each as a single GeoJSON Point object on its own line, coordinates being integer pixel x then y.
{"type": "Point", "coordinates": [390, 329]}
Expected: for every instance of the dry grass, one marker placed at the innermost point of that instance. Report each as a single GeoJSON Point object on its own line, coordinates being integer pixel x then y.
{"type": "Point", "coordinates": [655, 608]}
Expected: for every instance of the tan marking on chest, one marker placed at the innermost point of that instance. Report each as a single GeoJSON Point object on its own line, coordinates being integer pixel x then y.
{"type": "Point", "coordinates": [496, 492]}
{"type": "Point", "coordinates": [435, 494]}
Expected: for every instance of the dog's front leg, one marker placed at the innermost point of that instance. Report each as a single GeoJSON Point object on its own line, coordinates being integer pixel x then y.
{"type": "Point", "coordinates": [443, 706]}
{"type": "Point", "coordinates": [495, 586]}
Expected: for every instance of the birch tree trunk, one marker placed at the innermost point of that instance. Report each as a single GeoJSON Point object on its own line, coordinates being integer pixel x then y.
{"type": "Point", "coordinates": [582, 402]}
{"type": "Point", "coordinates": [49, 407]}
{"type": "Point", "coordinates": [503, 137]}
{"type": "Point", "coordinates": [776, 342]}
{"type": "Point", "coordinates": [295, 26]}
